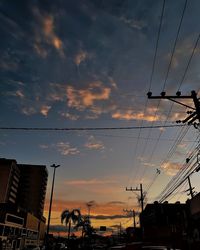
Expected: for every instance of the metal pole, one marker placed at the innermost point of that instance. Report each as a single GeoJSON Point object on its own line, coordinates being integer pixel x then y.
{"type": "Point", "coordinates": [190, 187]}
{"type": "Point", "coordinates": [142, 198]}
{"type": "Point", "coordinates": [134, 223]}
{"type": "Point", "coordinates": [51, 197]}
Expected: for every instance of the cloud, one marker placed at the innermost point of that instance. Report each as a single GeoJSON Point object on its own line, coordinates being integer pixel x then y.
{"type": "Point", "coordinates": [135, 24]}
{"type": "Point", "coordinates": [45, 110]}
{"type": "Point", "coordinates": [65, 148]}
{"type": "Point", "coordinates": [94, 144]}
{"type": "Point", "coordinates": [56, 92]}
{"type": "Point", "coordinates": [111, 217]}
{"type": "Point", "coordinates": [184, 50]}
{"type": "Point", "coordinates": [109, 209]}
{"type": "Point", "coordinates": [80, 57]}
{"type": "Point", "coordinates": [85, 98]}
{"type": "Point", "coordinates": [86, 182]}
{"type": "Point", "coordinates": [46, 33]}
{"type": "Point", "coordinates": [171, 168]}
{"type": "Point", "coordinates": [40, 50]}
{"type": "Point", "coordinates": [19, 93]}
{"type": "Point", "coordinates": [8, 66]}
{"type": "Point", "coordinates": [116, 203]}
{"type": "Point", "coordinates": [28, 111]}
{"type": "Point", "coordinates": [134, 115]}
{"type": "Point", "coordinates": [70, 116]}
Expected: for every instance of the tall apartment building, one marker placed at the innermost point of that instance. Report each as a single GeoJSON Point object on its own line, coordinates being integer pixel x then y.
{"type": "Point", "coordinates": [24, 185]}
{"type": "Point", "coordinates": [9, 180]}
{"type": "Point", "coordinates": [32, 188]}
{"type": "Point", "coordinates": [22, 197]}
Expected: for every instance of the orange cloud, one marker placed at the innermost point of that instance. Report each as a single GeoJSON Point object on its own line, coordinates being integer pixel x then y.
{"type": "Point", "coordinates": [131, 115]}
{"type": "Point", "coordinates": [45, 110]}
{"type": "Point", "coordinates": [105, 213]}
{"type": "Point", "coordinates": [171, 168]}
{"type": "Point", "coordinates": [102, 208]}
{"type": "Point", "coordinates": [84, 98]}
{"type": "Point", "coordinates": [47, 33]}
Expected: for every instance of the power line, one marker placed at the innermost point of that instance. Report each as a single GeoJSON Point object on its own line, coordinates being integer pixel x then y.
{"type": "Point", "coordinates": [169, 66]}
{"type": "Point", "coordinates": [156, 49]}
{"type": "Point", "coordinates": [189, 61]}
{"type": "Point", "coordinates": [174, 47]}
{"type": "Point", "coordinates": [89, 128]}
{"type": "Point", "coordinates": [150, 83]}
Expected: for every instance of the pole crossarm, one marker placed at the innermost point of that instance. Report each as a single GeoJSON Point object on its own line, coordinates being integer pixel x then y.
{"type": "Point", "coordinates": [132, 189]}
{"type": "Point", "coordinates": [141, 194]}
{"type": "Point", "coordinates": [193, 116]}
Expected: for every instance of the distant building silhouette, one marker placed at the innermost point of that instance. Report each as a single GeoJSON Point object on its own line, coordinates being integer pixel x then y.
{"type": "Point", "coordinates": [22, 197]}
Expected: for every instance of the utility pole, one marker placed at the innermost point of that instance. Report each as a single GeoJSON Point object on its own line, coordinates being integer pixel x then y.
{"type": "Point", "coordinates": [192, 115]}
{"type": "Point", "coordinates": [51, 197]}
{"type": "Point", "coordinates": [141, 194]}
{"type": "Point", "coordinates": [133, 214]}
{"type": "Point", "coordinates": [190, 188]}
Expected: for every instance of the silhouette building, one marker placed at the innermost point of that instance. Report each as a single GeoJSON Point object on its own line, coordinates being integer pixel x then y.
{"type": "Point", "coordinates": [22, 198]}
{"type": "Point", "coordinates": [33, 181]}
{"type": "Point", "coordinates": [9, 180]}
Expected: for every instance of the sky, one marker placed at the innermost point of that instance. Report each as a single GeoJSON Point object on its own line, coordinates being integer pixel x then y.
{"type": "Point", "coordinates": [90, 64]}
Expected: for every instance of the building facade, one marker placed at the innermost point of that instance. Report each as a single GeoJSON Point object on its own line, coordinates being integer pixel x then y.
{"type": "Point", "coordinates": [21, 218]}
{"type": "Point", "coordinates": [9, 180]}
{"type": "Point", "coordinates": [33, 180]}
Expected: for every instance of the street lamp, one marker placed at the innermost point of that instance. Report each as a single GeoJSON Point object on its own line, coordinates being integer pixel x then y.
{"type": "Point", "coordinates": [49, 217]}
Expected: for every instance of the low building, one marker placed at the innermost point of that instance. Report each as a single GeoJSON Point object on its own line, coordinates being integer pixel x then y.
{"type": "Point", "coordinates": [165, 222]}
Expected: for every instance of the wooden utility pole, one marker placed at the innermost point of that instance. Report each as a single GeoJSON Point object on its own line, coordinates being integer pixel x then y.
{"type": "Point", "coordinates": [190, 188]}
{"type": "Point", "coordinates": [133, 214]}
{"type": "Point", "coordinates": [192, 115]}
{"type": "Point", "coordinates": [141, 194]}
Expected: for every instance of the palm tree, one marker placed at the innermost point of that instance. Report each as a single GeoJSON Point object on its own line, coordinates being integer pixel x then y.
{"type": "Point", "coordinates": [87, 229]}
{"type": "Point", "coordinates": [70, 217]}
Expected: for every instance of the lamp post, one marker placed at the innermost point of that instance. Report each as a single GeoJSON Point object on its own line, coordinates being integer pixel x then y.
{"type": "Point", "coordinates": [51, 197]}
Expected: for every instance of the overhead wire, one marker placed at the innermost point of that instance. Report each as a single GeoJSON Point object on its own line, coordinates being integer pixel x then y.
{"type": "Point", "coordinates": [87, 128]}
{"type": "Point", "coordinates": [181, 82]}
{"type": "Point", "coordinates": [166, 77]}
{"type": "Point", "coordinates": [186, 171]}
{"type": "Point", "coordinates": [151, 77]}
{"type": "Point", "coordinates": [180, 172]}
{"type": "Point", "coordinates": [175, 43]}
{"type": "Point", "coordinates": [189, 61]}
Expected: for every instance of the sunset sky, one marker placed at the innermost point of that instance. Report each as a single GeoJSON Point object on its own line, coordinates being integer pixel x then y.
{"type": "Point", "coordinates": [88, 63]}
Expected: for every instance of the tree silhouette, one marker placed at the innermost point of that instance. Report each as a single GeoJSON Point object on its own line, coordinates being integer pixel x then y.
{"type": "Point", "coordinates": [70, 217]}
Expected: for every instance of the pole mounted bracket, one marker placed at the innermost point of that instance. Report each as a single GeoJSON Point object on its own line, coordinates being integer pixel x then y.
{"type": "Point", "coordinates": [192, 115]}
